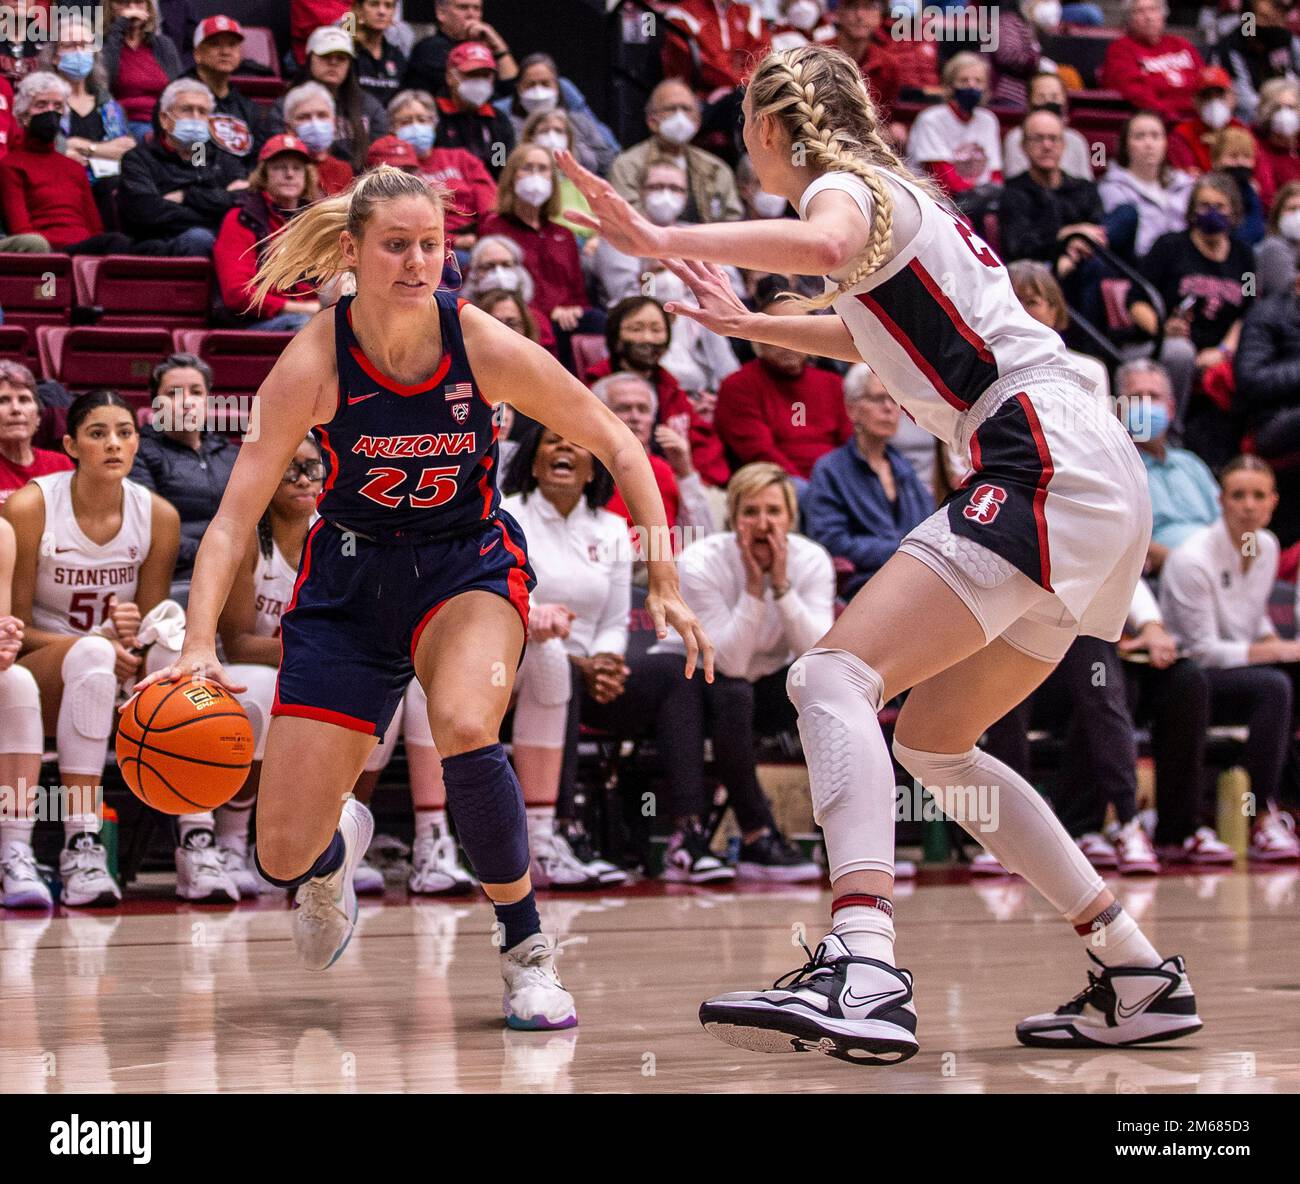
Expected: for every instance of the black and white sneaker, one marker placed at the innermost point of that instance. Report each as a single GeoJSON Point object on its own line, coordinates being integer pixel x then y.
{"type": "Point", "coordinates": [584, 851]}
{"type": "Point", "coordinates": [688, 860]}
{"type": "Point", "coordinates": [1122, 1005]}
{"type": "Point", "coordinates": [852, 1008]}
{"type": "Point", "coordinates": [773, 857]}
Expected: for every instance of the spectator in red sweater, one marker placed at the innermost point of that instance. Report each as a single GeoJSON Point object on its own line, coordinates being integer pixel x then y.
{"type": "Point", "coordinates": [6, 116]}
{"type": "Point", "coordinates": [781, 409]}
{"type": "Point", "coordinates": [43, 191]}
{"type": "Point", "coordinates": [711, 44]}
{"type": "Point", "coordinates": [800, 22]}
{"type": "Point", "coordinates": [283, 183]}
{"type": "Point", "coordinates": [306, 16]}
{"type": "Point", "coordinates": [1152, 69]}
{"type": "Point", "coordinates": [1191, 143]}
{"type": "Point", "coordinates": [309, 112]}
{"type": "Point", "coordinates": [528, 202]}
{"type": "Point", "coordinates": [637, 335]}
{"type": "Point", "coordinates": [413, 117]}
{"type": "Point", "coordinates": [864, 37]}
{"type": "Point", "coordinates": [20, 415]}
{"type": "Point", "coordinates": [140, 60]}
{"type": "Point", "coordinates": [1277, 130]}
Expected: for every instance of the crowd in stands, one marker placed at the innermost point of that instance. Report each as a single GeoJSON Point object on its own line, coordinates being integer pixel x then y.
{"type": "Point", "coordinates": [1146, 200]}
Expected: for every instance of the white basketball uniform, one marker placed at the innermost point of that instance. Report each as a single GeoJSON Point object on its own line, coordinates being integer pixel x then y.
{"type": "Point", "coordinates": [76, 578]}
{"type": "Point", "coordinates": [1047, 537]}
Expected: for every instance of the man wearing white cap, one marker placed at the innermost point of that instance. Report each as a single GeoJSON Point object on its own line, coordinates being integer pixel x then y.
{"type": "Point", "coordinates": [218, 53]}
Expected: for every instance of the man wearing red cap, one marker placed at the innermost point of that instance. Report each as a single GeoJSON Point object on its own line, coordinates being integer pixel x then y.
{"type": "Point", "coordinates": [467, 118]}
{"type": "Point", "coordinates": [1191, 143]}
{"type": "Point", "coordinates": [237, 123]}
{"type": "Point", "coordinates": [458, 21]}
{"type": "Point", "coordinates": [283, 183]}
{"type": "Point", "coordinates": [1152, 69]}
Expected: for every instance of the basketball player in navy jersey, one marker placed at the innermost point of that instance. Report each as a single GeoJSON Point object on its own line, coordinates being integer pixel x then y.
{"type": "Point", "coordinates": [1045, 540]}
{"type": "Point", "coordinates": [412, 569]}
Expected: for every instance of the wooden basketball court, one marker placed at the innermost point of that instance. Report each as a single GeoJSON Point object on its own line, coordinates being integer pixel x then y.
{"type": "Point", "coordinates": [162, 997]}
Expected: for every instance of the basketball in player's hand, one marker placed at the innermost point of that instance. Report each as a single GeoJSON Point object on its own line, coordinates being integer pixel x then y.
{"type": "Point", "coordinates": [184, 747]}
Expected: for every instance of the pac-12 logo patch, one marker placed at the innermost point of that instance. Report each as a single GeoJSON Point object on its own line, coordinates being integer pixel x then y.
{"type": "Point", "coordinates": [460, 412]}
{"type": "Point", "coordinates": [985, 503]}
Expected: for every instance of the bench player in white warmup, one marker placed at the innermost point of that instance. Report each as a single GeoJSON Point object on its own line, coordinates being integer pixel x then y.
{"type": "Point", "coordinates": [1045, 541]}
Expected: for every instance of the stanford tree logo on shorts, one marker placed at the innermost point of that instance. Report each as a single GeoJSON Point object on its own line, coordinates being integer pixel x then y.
{"type": "Point", "coordinates": [985, 503]}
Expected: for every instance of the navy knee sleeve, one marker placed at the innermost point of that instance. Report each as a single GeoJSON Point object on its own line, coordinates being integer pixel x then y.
{"type": "Point", "coordinates": [487, 805]}
{"type": "Point", "coordinates": [329, 860]}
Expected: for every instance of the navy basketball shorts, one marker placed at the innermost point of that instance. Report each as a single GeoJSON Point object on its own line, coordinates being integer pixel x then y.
{"type": "Point", "coordinates": [359, 609]}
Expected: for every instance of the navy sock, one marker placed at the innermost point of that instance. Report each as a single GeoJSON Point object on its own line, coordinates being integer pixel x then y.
{"type": "Point", "coordinates": [519, 920]}
{"type": "Point", "coordinates": [329, 860]}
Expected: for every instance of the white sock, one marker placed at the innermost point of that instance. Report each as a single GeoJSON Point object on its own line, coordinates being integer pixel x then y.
{"type": "Point", "coordinates": [17, 832]}
{"type": "Point", "coordinates": [232, 822]}
{"type": "Point", "coordinates": [430, 824]}
{"type": "Point", "coordinates": [1115, 939]}
{"type": "Point", "coordinates": [189, 823]}
{"type": "Point", "coordinates": [867, 931]}
{"type": "Point", "coordinates": [75, 824]}
{"type": "Point", "coordinates": [541, 819]}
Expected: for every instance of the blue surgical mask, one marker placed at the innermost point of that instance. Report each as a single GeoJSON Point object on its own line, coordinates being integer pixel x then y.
{"type": "Point", "coordinates": [77, 63]}
{"type": "Point", "coordinates": [317, 134]}
{"type": "Point", "coordinates": [1146, 420]}
{"type": "Point", "coordinates": [418, 135]}
{"type": "Point", "coordinates": [1213, 222]}
{"type": "Point", "coordinates": [967, 97]}
{"type": "Point", "coordinates": [191, 131]}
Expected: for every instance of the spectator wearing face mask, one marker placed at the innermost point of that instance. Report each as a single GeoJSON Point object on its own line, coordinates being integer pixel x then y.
{"type": "Point", "coordinates": [468, 119]}
{"type": "Point", "coordinates": [1047, 93]}
{"type": "Point", "coordinates": [757, 202]}
{"type": "Point", "coordinates": [1153, 69]}
{"type": "Point", "coordinates": [756, 418]}
{"type": "Point", "coordinates": [673, 116]}
{"type": "Point", "coordinates": [1269, 51]}
{"type": "Point", "coordinates": [218, 54]}
{"type": "Point", "coordinates": [309, 113]}
{"type": "Point", "coordinates": [413, 117]}
{"type": "Point", "coordinates": [1191, 143]}
{"type": "Point", "coordinates": [497, 261]}
{"type": "Point", "coordinates": [1277, 255]}
{"type": "Point", "coordinates": [553, 131]}
{"type": "Point", "coordinates": [458, 21]}
{"type": "Point", "coordinates": [1277, 132]}
{"type": "Point", "coordinates": [1267, 367]}
{"type": "Point", "coordinates": [1234, 153]}
{"type": "Point", "coordinates": [541, 89]}
{"type": "Point", "coordinates": [801, 22]}
{"type": "Point", "coordinates": [958, 142]}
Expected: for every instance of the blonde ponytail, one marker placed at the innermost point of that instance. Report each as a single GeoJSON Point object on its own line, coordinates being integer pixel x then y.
{"type": "Point", "coordinates": [308, 248]}
{"type": "Point", "coordinates": [818, 95]}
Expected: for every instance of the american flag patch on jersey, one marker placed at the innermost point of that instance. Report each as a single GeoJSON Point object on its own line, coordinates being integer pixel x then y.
{"type": "Point", "coordinates": [458, 390]}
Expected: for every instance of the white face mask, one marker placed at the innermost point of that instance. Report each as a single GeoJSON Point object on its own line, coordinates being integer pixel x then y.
{"type": "Point", "coordinates": [539, 98]}
{"type": "Point", "coordinates": [1048, 14]}
{"type": "Point", "coordinates": [553, 141]}
{"type": "Point", "coordinates": [475, 91]}
{"type": "Point", "coordinates": [1216, 113]}
{"type": "Point", "coordinates": [678, 128]}
{"type": "Point", "coordinates": [769, 205]}
{"type": "Point", "coordinates": [804, 15]}
{"type": "Point", "coordinates": [662, 206]}
{"type": "Point", "coordinates": [668, 287]}
{"type": "Point", "coordinates": [1289, 225]}
{"type": "Point", "coordinates": [534, 189]}
{"type": "Point", "coordinates": [499, 277]}
{"type": "Point", "coordinates": [1285, 121]}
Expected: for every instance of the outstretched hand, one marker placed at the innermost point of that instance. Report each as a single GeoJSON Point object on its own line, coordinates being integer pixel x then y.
{"type": "Point", "coordinates": [611, 216]}
{"type": "Point", "coordinates": [666, 607]}
{"type": "Point", "coordinates": [720, 308]}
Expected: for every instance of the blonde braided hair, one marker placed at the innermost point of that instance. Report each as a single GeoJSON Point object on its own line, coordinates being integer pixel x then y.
{"type": "Point", "coordinates": [817, 94]}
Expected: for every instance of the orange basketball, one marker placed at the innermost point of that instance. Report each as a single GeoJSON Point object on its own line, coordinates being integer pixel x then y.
{"type": "Point", "coordinates": [184, 747]}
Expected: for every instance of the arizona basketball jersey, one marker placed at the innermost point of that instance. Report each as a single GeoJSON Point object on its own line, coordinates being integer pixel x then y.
{"type": "Point", "coordinates": [420, 458]}
{"type": "Point", "coordinates": [939, 323]}
{"type": "Point", "coordinates": [273, 581]}
{"type": "Point", "coordinates": [76, 578]}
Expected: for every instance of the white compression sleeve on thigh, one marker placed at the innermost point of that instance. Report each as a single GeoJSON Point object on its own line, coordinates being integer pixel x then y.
{"type": "Point", "coordinates": [544, 685]}
{"type": "Point", "coordinates": [21, 732]}
{"type": "Point", "coordinates": [256, 700]}
{"type": "Point", "coordinates": [998, 807]}
{"type": "Point", "coordinates": [850, 775]}
{"type": "Point", "coordinates": [86, 712]}
{"type": "Point", "coordinates": [382, 752]}
{"type": "Point", "coordinates": [415, 726]}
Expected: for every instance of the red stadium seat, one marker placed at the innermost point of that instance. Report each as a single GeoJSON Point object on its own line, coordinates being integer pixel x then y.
{"type": "Point", "coordinates": [258, 88]}
{"type": "Point", "coordinates": [83, 358]}
{"type": "Point", "coordinates": [240, 359]}
{"type": "Point", "coordinates": [1114, 298]}
{"type": "Point", "coordinates": [165, 293]}
{"type": "Point", "coordinates": [259, 47]}
{"type": "Point", "coordinates": [589, 350]}
{"type": "Point", "coordinates": [16, 344]}
{"type": "Point", "coordinates": [35, 290]}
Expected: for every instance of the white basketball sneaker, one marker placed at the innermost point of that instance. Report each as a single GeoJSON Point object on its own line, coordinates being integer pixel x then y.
{"type": "Point", "coordinates": [368, 880]}
{"type": "Point", "coordinates": [853, 1008]}
{"type": "Point", "coordinates": [1121, 1005]}
{"type": "Point", "coordinates": [436, 869]}
{"type": "Point", "coordinates": [23, 886]}
{"type": "Point", "coordinates": [534, 998]}
{"type": "Point", "coordinates": [201, 876]}
{"type": "Point", "coordinates": [326, 912]}
{"type": "Point", "coordinates": [233, 853]}
{"type": "Point", "coordinates": [83, 867]}
{"type": "Point", "coordinates": [554, 865]}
